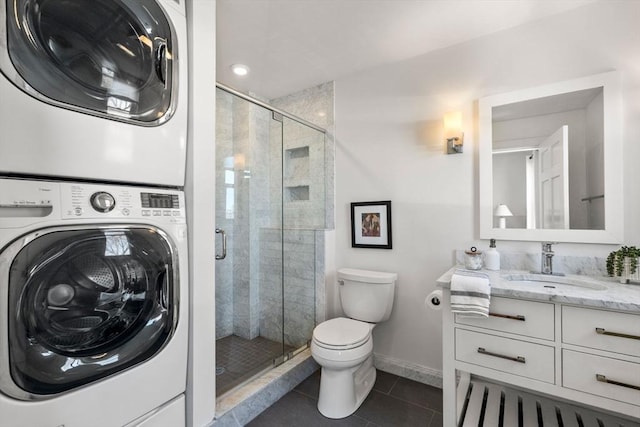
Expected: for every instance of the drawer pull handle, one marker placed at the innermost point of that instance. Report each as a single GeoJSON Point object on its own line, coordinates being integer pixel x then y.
{"type": "Point", "coordinates": [604, 379]}
{"type": "Point", "coordinates": [508, 316]}
{"type": "Point", "coordinates": [602, 331]}
{"type": "Point", "coordinates": [519, 359]}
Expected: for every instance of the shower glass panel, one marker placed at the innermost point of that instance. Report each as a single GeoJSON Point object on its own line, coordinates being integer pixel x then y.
{"type": "Point", "coordinates": [270, 192]}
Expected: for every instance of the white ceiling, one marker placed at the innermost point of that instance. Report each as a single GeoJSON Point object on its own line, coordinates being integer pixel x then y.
{"type": "Point", "coordinates": [291, 45]}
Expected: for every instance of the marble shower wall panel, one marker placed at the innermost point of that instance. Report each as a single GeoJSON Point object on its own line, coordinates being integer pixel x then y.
{"type": "Point", "coordinates": [258, 177]}
{"type": "Point", "coordinates": [271, 284]}
{"type": "Point", "coordinates": [224, 268]}
{"type": "Point", "coordinates": [275, 176]}
{"type": "Point", "coordinates": [304, 183]}
{"type": "Point", "coordinates": [241, 231]}
{"type": "Point", "coordinates": [249, 283]}
{"type": "Point", "coordinates": [251, 146]}
{"type": "Point", "coordinates": [299, 265]}
{"type": "Point", "coordinates": [316, 105]}
{"type": "Point", "coordinates": [320, 277]}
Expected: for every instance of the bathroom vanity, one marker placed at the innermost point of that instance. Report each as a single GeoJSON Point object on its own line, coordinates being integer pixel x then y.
{"type": "Point", "coordinates": [550, 344]}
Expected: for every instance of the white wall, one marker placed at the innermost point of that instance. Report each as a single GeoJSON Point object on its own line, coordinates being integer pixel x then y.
{"type": "Point", "coordinates": [389, 146]}
{"type": "Point", "coordinates": [200, 192]}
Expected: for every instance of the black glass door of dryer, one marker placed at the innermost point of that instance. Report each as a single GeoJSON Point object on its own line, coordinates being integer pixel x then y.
{"type": "Point", "coordinates": [112, 58]}
{"type": "Point", "coordinates": [88, 303]}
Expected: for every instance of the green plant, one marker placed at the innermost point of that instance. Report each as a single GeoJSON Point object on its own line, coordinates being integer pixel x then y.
{"type": "Point", "coordinates": [615, 260]}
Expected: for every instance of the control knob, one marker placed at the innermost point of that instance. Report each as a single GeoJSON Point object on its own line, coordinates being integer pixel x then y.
{"type": "Point", "coordinates": [103, 202]}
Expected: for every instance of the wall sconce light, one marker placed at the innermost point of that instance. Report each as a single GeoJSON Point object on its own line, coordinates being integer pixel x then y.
{"type": "Point", "coordinates": [453, 132]}
{"type": "Point", "coordinates": [502, 211]}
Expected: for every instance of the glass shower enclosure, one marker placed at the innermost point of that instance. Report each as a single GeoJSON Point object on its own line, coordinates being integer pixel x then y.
{"type": "Point", "coordinates": [270, 204]}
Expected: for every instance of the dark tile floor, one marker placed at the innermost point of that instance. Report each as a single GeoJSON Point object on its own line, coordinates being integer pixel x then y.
{"type": "Point", "coordinates": [393, 402]}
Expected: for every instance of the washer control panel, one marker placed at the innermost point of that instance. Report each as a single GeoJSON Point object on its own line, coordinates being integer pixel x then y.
{"type": "Point", "coordinates": [112, 201]}
{"type": "Point", "coordinates": [25, 201]}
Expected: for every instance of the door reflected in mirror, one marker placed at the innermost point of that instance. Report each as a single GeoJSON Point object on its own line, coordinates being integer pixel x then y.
{"type": "Point", "coordinates": [548, 161]}
{"type": "Point", "coordinates": [552, 154]}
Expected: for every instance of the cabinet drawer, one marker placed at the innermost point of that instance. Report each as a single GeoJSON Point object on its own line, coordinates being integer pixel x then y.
{"type": "Point", "coordinates": [579, 372]}
{"type": "Point", "coordinates": [528, 318]}
{"type": "Point", "coordinates": [506, 355]}
{"type": "Point", "coordinates": [604, 330]}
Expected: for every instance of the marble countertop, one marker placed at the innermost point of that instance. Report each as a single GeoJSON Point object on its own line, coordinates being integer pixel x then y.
{"type": "Point", "coordinates": [600, 292]}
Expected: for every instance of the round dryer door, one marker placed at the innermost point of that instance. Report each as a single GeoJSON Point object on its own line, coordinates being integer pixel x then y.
{"type": "Point", "coordinates": [112, 58]}
{"type": "Point", "coordinates": [84, 304]}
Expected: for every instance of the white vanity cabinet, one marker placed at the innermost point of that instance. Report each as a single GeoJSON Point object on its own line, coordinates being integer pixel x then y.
{"type": "Point", "coordinates": [516, 339]}
{"type": "Point", "coordinates": [518, 317]}
{"type": "Point", "coordinates": [600, 353]}
{"type": "Point", "coordinates": [587, 355]}
{"type": "Point", "coordinates": [506, 355]}
{"type": "Point", "coordinates": [611, 331]}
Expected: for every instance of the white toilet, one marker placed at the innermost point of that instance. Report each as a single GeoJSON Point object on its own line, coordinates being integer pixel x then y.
{"type": "Point", "coordinates": [344, 346]}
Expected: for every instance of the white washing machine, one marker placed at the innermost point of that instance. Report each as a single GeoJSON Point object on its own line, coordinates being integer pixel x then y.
{"type": "Point", "coordinates": [94, 89]}
{"type": "Point", "coordinates": [94, 303]}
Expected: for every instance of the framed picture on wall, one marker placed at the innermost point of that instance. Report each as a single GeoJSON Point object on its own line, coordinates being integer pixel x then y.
{"type": "Point", "coordinates": [371, 225]}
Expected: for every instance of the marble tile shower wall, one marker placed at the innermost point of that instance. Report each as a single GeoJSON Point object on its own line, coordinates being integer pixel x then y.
{"type": "Point", "coordinates": [249, 145]}
{"type": "Point", "coordinates": [253, 214]}
{"type": "Point", "coordinates": [239, 233]}
{"type": "Point", "coordinates": [303, 186]}
{"type": "Point", "coordinates": [293, 253]}
{"type": "Point", "coordinates": [298, 191]}
{"type": "Point", "coordinates": [241, 131]}
{"type": "Point", "coordinates": [316, 105]}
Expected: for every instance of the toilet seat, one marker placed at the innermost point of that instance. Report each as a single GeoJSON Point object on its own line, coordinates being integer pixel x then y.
{"type": "Point", "coordinates": [342, 334]}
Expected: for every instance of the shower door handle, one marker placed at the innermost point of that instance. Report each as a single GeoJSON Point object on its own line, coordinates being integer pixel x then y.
{"type": "Point", "coordinates": [224, 244]}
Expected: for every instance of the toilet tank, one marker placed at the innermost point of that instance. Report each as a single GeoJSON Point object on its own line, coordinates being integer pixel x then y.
{"type": "Point", "coordinates": [366, 295]}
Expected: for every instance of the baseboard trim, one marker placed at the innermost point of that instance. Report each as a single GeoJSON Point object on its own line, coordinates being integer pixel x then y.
{"type": "Point", "coordinates": [412, 371]}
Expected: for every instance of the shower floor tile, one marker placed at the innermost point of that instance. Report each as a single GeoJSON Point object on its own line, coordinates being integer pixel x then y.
{"type": "Point", "coordinates": [238, 359]}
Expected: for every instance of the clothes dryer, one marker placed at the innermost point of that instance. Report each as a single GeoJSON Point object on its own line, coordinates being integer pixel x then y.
{"type": "Point", "coordinates": [94, 296]}
{"type": "Point", "coordinates": [94, 89]}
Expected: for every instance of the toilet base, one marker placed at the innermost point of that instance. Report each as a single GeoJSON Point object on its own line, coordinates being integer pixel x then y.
{"type": "Point", "coordinates": [343, 391]}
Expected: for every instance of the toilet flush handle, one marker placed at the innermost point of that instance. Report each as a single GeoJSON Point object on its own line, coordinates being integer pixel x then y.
{"type": "Point", "coordinates": [341, 282]}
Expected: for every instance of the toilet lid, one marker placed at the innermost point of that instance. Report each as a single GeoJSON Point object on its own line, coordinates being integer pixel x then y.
{"type": "Point", "coordinates": [341, 332]}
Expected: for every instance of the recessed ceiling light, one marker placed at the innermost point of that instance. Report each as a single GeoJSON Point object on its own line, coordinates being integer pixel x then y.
{"type": "Point", "coordinates": [240, 69]}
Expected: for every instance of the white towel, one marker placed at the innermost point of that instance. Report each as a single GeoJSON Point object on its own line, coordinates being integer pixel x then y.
{"type": "Point", "coordinates": [470, 293]}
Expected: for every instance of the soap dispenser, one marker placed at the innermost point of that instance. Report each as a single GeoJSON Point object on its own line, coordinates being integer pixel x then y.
{"type": "Point", "coordinates": [492, 257]}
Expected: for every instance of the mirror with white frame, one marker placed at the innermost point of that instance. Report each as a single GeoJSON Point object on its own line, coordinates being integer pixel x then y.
{"type": "Point", "coordinates": [551, 162]}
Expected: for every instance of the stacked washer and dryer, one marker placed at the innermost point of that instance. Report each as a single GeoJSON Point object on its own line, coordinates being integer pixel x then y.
{"type": "Point", "coordinates": [93, 236]}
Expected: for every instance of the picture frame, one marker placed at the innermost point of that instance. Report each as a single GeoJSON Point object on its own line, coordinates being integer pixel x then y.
{"type": "Point", "coordinates": [371, 225]}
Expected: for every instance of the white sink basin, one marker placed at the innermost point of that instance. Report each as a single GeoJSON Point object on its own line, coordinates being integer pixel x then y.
{"type": "Point", "coordinates": [555, 282]}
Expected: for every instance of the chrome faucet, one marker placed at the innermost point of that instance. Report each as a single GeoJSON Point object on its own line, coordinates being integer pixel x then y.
{"type": "Point", "coordinates": [546, 266]}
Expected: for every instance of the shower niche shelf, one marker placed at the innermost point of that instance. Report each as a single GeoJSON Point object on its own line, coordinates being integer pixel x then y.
{"type": "Point", "coordinates": [296, 174]}
{"type": "Point", "coordinates": [296, 163]}
{"type": "Point", "coordinates": [298, 193]}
